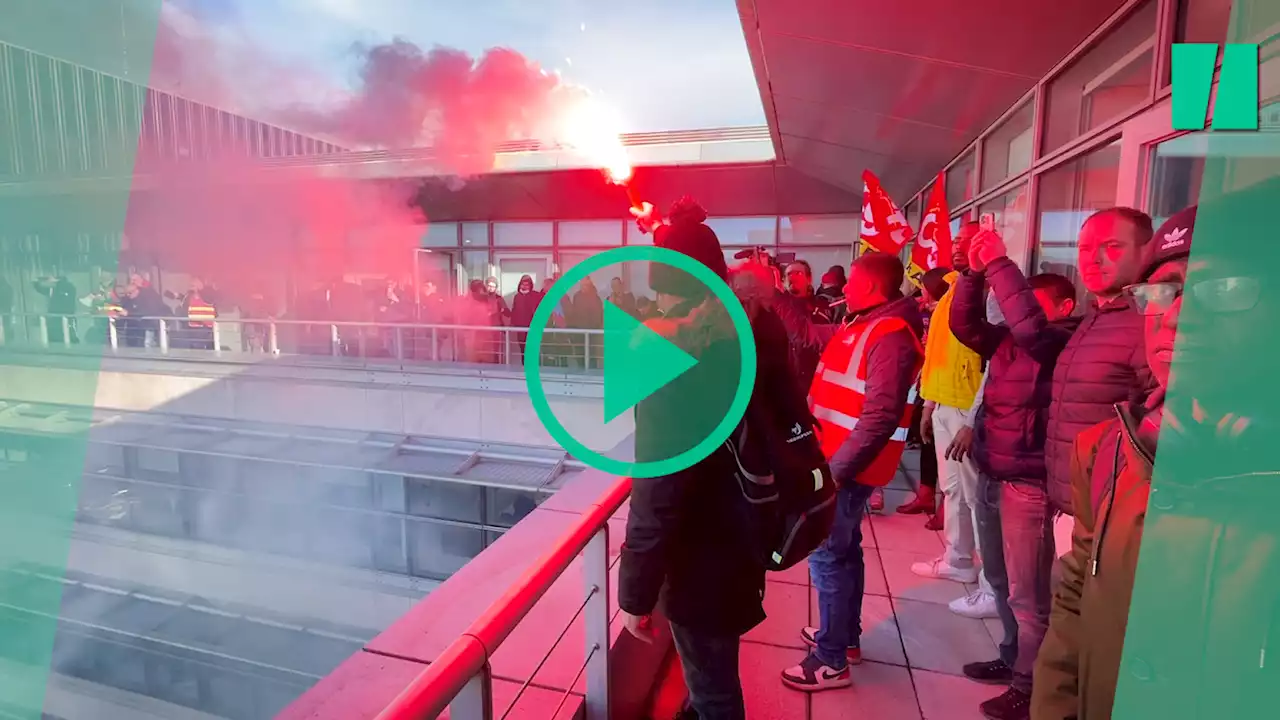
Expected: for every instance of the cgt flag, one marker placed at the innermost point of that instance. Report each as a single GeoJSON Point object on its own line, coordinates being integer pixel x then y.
{"type": "Point", "coordinates": [933, 245]}
{"type": "Point", "coordinates": [884, 228]}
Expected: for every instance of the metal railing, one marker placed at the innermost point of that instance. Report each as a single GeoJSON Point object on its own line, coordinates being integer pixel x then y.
{"type": "Point", "coordinates": [460, 679]}
{"type": "Point", "coordinates": [404, 342]}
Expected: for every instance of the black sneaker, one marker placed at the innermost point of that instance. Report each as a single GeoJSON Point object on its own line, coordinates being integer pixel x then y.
{"type": "Point", "coordinates": [1012, 705]}
{"type": "Point", "coordinates": [993, 672]}
{"type": "Point", "coordinates": [813, 675]}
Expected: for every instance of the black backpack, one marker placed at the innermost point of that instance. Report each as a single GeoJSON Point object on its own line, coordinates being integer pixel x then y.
{"type": "Point", "coordinates": [786, 484]}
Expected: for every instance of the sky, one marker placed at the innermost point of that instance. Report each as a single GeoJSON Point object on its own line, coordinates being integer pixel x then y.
{"type": "Point", "coordinates": [661, 64]}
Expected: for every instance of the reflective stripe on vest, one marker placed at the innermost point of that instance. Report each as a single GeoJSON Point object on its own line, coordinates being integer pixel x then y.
{"type": "Point", "coordinates": [839, 389]}
{"type": "Point", "coordinates": [200, 315]}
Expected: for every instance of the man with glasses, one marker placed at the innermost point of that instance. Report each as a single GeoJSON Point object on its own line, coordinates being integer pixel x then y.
{"type": "Point", "coordinates": [1111, 481]}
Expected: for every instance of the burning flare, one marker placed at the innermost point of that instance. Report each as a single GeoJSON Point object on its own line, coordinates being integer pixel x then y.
{"type": "Point", "coordinates": [590, 129]}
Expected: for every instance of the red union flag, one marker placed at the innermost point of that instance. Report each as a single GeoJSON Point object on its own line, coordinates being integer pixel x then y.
{"type": "Point", "coordinates": [933, 246]}
{"type": "Point", "coordinates": [884, 228]}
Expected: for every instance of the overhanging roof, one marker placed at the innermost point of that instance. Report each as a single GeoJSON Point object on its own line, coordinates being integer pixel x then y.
{"type": "Point", "coordinates": [900, 88]}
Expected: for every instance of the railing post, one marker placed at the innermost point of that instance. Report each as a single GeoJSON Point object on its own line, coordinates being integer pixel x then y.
{"type": "Point", "coordinates": [362, 343]}
{"type": "Point", "coordinates": [398, 339]}
{"type": "Point", "coordinates": [4, 321]}
{"type": "Point", "coordinates": [595, 564]}
{"type": "Point", "coordinates": [435, 345]}
{"type": "Point", "coordinates": [586, 350]}
{"type": "Point", "coordinates": [475, 700]}
{"type": "Point", "coordinates": [335, 342]}
{"type": "Point", "coordinates": [217, 339]}
{"type": "Point", "coordinates": [506, 347]}
{"type": "Point", "coordinates": [112, 335]}
{"type": "Point", "coordinates": [66, 331]}
{"type": "Point", "coordinates": [273, 338]}
{"type": "Point", "coordinates": [44, 331]}
{"type": "Point", "coordinates": [164, 335]}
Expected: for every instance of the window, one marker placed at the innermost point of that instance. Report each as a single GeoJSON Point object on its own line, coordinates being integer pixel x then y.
{"type": "Point", "coordinates": [182, 112]}
{"type": "Point", "coordinates": [521, 234]}
{"type": "Point", "coordinates": [1203, 21]}
{"type": "Point", "coordinates": [513, 266]}
{"type": "Point", "coordinates": [601, 278]}
{"type": "Point", "coordinates": [590, 232]}
{"type": "Point", "coordinates": [635, 237]}
{"type": "Point", "coordinates": [439, 235]}
{"type": "Point", "coordinates": [821, 230]}
{"type": "Point", "coordinates": [475, 266]}
{"type": "Point", "coordinates": [1007, 150]}
{"type": "Point", "coordinates": [960, 181]}
{"type": "Point", "coordinates": [475, 234]}
{"type": "Point", "coordinates": [1110, 79]}
{"type": "Point", "coordinates": [821, 259]}
{"type": "Point", "coordinates": [1010, 210]}
{"type": "Point", "coordinates": [912, 211]}
{"type": "Point", "coordinates": [1068, 195]}
{"type": "Point", "coordinates": [1174, 182]}
{"type": "Point", "coordinates": [745, 230]}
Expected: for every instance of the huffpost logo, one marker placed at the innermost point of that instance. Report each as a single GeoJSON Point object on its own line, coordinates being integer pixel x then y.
{"type": "Point", "coordinates": [1236, 105]}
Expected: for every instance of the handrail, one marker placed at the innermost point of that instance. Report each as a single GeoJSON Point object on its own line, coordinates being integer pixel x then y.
{"type": "Point", "coordinates": [241, 320]}
{"type": "Point", "coordinates": [432, 691]}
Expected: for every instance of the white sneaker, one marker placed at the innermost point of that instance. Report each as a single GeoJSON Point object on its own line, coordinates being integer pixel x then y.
{"type": "Point", "coordinates": [938, 568]}
{"type": "Point", "coordinates": [978, 604]}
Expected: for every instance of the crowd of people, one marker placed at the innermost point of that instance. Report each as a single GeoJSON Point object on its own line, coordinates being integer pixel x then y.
{"type": "Point", "coordinates": [1027, 401]}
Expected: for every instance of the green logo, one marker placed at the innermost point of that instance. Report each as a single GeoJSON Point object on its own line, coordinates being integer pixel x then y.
{"type": "Point", "coordinates": [696, 398]}
{"type": "Point", "coordinates": [1236, 105]}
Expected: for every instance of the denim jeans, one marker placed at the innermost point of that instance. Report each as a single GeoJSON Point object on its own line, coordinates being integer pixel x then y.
{"type": "Point", "coordinates": [1026, 517]}
{"type": "Point", "coordinates": [839, 575]}
{"type": "Point", "coordinates": [991, 547]}
{"type": "Point", "coordinates": [710, 665]}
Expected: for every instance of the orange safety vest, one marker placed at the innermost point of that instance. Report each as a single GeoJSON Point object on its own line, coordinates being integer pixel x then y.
{"type": "Point", "coordinates": [200, 314]}
{"type": "Point", "coordinates": [840, 386]}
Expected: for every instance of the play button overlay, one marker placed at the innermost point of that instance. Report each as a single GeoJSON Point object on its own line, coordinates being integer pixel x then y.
{"type": "Point", "coordinates": [684, 391]}
{"type": "Point", "coordinates": [637, 362]}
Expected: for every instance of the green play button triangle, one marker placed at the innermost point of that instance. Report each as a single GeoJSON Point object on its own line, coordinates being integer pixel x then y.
{"type": "Point", "coordinates": [637, 362]}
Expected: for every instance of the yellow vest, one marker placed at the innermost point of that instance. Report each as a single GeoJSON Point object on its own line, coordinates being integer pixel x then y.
{"type": "Point", "coordinates": [952, 372]}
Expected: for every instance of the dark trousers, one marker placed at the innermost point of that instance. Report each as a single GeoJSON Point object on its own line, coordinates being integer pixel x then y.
{"type": "Point", "coordinates": [1026, 519]}
{"type": "Point", "coordinates": [928, 453]}
{"type": "Point", "coordinates": [991, 545]}
{"type": "Point", "coordinates": [710, 664]}
{"type": "Point", "coordinates": [839, 575]}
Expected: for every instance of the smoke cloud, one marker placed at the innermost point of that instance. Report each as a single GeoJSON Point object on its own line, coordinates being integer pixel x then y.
{"type": "Point", "coordinates": [223, 216]}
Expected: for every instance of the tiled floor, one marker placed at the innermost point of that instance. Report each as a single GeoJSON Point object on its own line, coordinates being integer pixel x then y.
{"type": "Point", "coordinates": [914, 646]}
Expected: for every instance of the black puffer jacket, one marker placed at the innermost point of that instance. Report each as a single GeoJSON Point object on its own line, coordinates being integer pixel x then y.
{"type": "Point", "coordinates": [1009, 436]}
{"type": "Point", "coordinates": [1101, 363]}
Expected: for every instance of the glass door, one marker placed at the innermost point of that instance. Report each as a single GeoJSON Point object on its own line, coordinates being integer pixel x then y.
{"type": "Point", "coordinates": [1160, 169]}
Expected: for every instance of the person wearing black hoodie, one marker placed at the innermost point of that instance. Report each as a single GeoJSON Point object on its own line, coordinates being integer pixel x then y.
{"type": "Point", "coordinates": [523, 305]}
{"type": "Point", "coordinates": [1013, 511]}
{"type": "Point", "coordinates": [688, 542]}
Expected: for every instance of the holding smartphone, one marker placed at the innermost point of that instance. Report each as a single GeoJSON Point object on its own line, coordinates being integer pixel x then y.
{"type": "Point", "coordinates": [987, 222]}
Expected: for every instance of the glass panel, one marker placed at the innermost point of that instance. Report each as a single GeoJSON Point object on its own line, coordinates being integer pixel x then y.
{"type": "Point", "coordinates": [1010, 210]}
{"type": "Point", "coordinates": [1107, 81]}
{"type": "Point", "coordinates": [745, 230]}
{"type": "Point", "coordinates": [821, 230]}
{"type": "Point", "coordinates": [1068, 196]}
{"type": "Point", "coordinates": [1203, 21]}
{"type": "Point", "coordinates": [911, 210]}
{"type": "Point", "coordinates": [635, 237]}
{"type": "Point", "coordinates": [590, 232]}
{"type": "Point", "coordinates": [475, 234]}
{"type": "Point", "coordinates": [1007, 150]}
{"type": "Point", "coordinates": [475, 266]}
{"type": "Point", "coordinates": [521, 234]}
{"type": "Point", "coordinates": [1174, 183]}
{"type": "Point", "coordinates": [960, 181]}
{"type": "Point", "coordinates": [182, 128]}
{"type": "Point", "coordinates": [439, 235]}
{"type": "Point", "coordinates": [511, 267]}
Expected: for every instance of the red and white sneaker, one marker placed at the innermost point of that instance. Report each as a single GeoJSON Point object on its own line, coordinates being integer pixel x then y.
{"type": "Point", "coordinates": [810, 637]}
{"type": "Point", "coordinates": [813, 675]}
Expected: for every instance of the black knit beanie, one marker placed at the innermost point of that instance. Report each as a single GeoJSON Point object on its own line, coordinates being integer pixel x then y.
{"type": "Point", "coordinates": [688, 234]}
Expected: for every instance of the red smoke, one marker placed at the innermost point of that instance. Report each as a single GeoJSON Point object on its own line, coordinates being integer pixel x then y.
{"type": "Point", "coordinates": [229, 222]}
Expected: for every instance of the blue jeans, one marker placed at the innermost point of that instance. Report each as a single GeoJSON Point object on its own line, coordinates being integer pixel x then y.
{"type": "Point", "coordinates": [1026, 516]}
{"type": "Point", "coordinates": [991, 545]}
{"type": "Point", "coordinates": [710, 665]}
{"type": "Point", "coordinates": [839, 575]}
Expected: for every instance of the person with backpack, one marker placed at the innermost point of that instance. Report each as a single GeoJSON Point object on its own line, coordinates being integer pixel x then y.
{"type": "Point", "coordinates": [863, 397]}
{"type": "Point", "coordinates": [692, 544]}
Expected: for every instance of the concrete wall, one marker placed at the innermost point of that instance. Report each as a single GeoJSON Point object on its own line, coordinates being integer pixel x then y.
{"type": "Point", "coordinates": [462, 402]}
